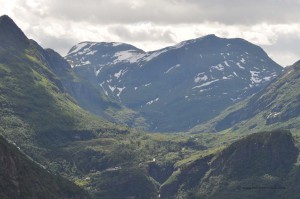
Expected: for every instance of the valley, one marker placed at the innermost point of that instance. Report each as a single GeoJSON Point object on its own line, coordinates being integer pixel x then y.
{"type": "Point", "coordinates": [206, 118]}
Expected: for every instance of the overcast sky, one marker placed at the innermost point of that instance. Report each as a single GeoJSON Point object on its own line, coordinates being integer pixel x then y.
{"type": "Point", "coordinates": [153, 24]}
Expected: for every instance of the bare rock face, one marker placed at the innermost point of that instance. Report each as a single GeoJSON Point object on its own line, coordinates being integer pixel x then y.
{"type": "Point", "coordinates": [177, 87]}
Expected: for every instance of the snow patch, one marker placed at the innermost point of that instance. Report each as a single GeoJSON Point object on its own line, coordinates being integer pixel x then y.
{"type": "Point", "coordinates": [114, 44]}
{"type": "Point", "coordinates": [240, 66]}
{"type": "Point", "coordinates": [198, 78]}
{"type": "Point", "coordinates": [112, 88]}
{"type": "Point", "coordinates": [181, 44]}
{"type": "Point", "coordinates": [85, 63]}
{"type": "Point", "coordinates": [78, 47]}
{"type": "Point", "coordinates": [268, 78]}
{"type": "Point", "coordinates": [226, 63]}
{"type": "Point", "coordinates": [101, 85]}
{"type": "Point", "coordinates": [205, 84]}
{"type": "Point", "coordinates": [152, 55]}
{"type": "Point", "coordinates": [219, 67]}
{"type": "Point", "coordinates": [254, 77]}
{"type": "Point", "coordinates": [92, 52]}
{"type": "Point", "coordinates": [130, 56]}
{"type": "Point", "coordinates": [86, 50]}
{"type": "Point", "coordinates": [226, 78]}
{"type": "Point", "coordinates": [152, 101]}
{"type": "Point", "coordinates": [120, 90]}
{"type": "Point", "coordinates": [98, 71]}
{"type": "Point", "coordinates": [120, 73]}
{"type": "Point", "coordinates": [204, 90]}
{"type": "Point", "coordinates": [235, 99]}
{"type": "Point", "coordinates": [172, 68]}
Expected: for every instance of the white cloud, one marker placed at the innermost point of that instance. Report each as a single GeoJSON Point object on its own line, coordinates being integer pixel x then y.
{"type": "Point", "coordinates": [158, 23]}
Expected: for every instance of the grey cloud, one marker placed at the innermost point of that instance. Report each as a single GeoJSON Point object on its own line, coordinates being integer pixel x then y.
{"type": "Point", "coordinates": [120, 20]}
{"type": "Point", "coordinates": [286, 49]}
{"type": "Point", "coordinates": [152, 34]}
{"type": "Point", "coordinates": [287, 42]}
{"type": "Point", "coordinates": [61, 45]}
{"type": "Point", "coordinates": [177, 11]}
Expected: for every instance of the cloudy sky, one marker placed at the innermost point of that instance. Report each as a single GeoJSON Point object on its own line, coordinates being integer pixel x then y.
{"type": "Point", "coordinates": [153, 24]}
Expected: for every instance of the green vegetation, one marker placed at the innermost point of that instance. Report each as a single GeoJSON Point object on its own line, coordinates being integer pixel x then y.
{"type": "Point", "coordinates": [261, 165]}
{"type": "Point", "coordinates": [23, 178]}
{"type": "Point", "coordinates": [40, 115]}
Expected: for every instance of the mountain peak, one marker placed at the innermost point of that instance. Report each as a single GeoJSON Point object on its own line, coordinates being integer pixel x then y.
{"type": "Point", "coordinates": [88, 47]}
{"type": "Point", "coordinates": [210, 36]}
{"type": "Point", "coordinates": [5, 17]}
{"type": "Point", "coordinates": [10, 34]}
{"type": "Point", "coordinates": [207, 37]}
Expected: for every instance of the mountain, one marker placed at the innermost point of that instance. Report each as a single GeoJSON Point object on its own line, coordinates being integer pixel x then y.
{"type": "Point", "coordinates": [276, 106]}
{"type": "Point", "coordinates": [261, 165]}
{"type": "Point", "coordinates": [35, 104]}
{"type": "Point", "coordinates": [40, 114]}
{"type": "Point", "coordinates": [23, 178]}
{"type": "Point", "coordinates": [177, 87]}
{"type": "Point", "coordinates": [11, 35]}
{"type": "Point", "coordinates": [85, 93]}
{"type": "Point", "coordinates": [40, 99]}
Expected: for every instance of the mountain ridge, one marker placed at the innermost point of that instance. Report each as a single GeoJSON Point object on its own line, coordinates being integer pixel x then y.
{"type": "Point", "coordinates": [10, 34]}
{"type": "Point", "coordinates": [40, 112]}
{"type": "Point", "coordinates": [189, 74]}
{"type": "Point", "coordinates": [274, 107]}
{"type": "Point", "coordinates": [40, 115]}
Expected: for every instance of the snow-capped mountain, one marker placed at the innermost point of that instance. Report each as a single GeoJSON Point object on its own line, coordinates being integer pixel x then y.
{"type": "Point", "coordinates": [180, 86]}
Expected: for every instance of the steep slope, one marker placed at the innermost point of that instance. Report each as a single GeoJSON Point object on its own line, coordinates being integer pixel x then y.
{"type": "Point", "coordinates": [34, 102]}
{"type": "Point", "coordinates": [261, 165]}
{"type": "Point", "coordinates": [22, 178]}
{"type": "Point", "coordinates": [85, 93]}
{"type": "Point", "coordinates": [276, 106]}
{"type": "Point", "coordinates": [116, 112]}
{"type": "Point", "coordinates": [180, 86]}
{"type": "Point", "coordinates": [11, 36]}
{"type": "Point", "coordinates": [39, 114]}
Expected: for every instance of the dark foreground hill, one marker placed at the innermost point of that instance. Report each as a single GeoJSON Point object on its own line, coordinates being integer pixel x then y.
{"type": "Point", "coordinates": [262, 165]}
{"type": "Point", "coordinates": [20, 177]}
